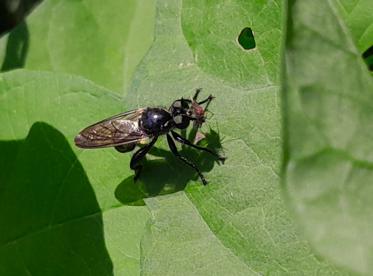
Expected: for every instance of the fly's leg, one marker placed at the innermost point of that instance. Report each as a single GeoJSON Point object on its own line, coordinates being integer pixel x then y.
{"type": "Point", "coordinates": [125, 148]}
{"type": "Point", "coordinates": [173, 149]}
{"type": "Point", "coordinates": [198, 90]}
{"type": "Point", "coordinates": [138, 156]}
{"type": "Point", "coordinates": [184, 141]}
{"type": "Point", "coordinates": [207, 101]}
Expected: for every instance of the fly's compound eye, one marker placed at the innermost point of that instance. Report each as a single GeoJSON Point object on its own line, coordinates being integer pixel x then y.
{"type": "Point", "coordinates": [180, 104]}
{"type": "Point", "coordinates": [181, 121]}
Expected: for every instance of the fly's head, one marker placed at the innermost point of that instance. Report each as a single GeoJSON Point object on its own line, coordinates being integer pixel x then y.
{"type": "Point", "coordinates": [184, 110]}
{"type": "Point", "coordinates": [179, 112]}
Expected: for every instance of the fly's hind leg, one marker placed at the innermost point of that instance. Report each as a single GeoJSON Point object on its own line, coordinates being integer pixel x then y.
{"type": "Point", "coordinates": [184, 141]}
{"type": "Point", "coordinates": [173, 149]}
{"type": "Point", "coordinates": [138, 156]}
{"type": "Point", "coordinates": [125, 148]}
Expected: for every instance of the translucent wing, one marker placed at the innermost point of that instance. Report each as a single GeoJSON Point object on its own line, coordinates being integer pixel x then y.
{"type": "Point", "coordinates": [118, 130]}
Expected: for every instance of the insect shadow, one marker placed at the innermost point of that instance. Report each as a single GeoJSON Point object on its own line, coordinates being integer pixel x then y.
{"type": "Point", "coordinates": [167, 174]}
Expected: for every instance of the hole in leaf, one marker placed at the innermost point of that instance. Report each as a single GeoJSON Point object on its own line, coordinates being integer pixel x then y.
{"type": "Point", "coordinates": [368, 57]}
{"type": "Point", "coordinates": [246, 39]}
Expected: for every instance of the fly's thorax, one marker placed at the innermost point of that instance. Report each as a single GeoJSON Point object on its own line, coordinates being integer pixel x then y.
{"type": "Point", "coordinates": [156, 121]}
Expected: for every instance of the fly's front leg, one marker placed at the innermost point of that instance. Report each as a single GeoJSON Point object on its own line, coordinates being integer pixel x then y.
{"type": "Point", "coordinates": [198, 90]}
{"type": "Point", "coordinates": [207, 101]}
{"type": "Point", "coordinates": [184, 141]}
{"type": "Point", "coordinates": [173, 149]}
{"type": "Point", "coordinates": [138, 156]}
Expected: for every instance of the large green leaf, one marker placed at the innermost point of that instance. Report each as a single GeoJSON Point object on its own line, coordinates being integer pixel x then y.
{"type": "Point", "coordinates": [57, 206]}
{"type": "Point", "coordinates": [328, 104]}
{"type": "Point", "coordinates": [101, 41]}
{"type": "Point", "coordinates": [60, 206]}
{"type": "Point", "coordinates": [358, 17]}
{"type": "Point", "coordinates": [238, 224]}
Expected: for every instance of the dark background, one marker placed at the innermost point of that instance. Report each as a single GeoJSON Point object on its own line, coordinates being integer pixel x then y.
{"type": "Point", "coordinates": [13, 12]}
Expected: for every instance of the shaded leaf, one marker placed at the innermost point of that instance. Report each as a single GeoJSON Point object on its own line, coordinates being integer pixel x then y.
{"type": "Point", "coordinates": [102, 42]}
{"type": "Point", "coordinates": [328, 134]}
{"type": "Point", "coordinates": [55, 214]}
{"type": "Point", "coordinates": [58, 208]}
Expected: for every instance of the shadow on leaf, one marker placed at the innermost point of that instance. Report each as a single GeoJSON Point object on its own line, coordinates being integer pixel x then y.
{"type": "Point", "coordinates": [169, 174]}
{"type": "Point", "coordinates": [51, 223]}
{"type": "Point", "coordinates": [16, 48]}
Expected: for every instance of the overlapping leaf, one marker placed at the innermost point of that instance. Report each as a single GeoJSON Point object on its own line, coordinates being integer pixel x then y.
{"type": "Point", "coordinates": [328, 154]}
{"type": "Point", "coordinates": [358, 18]}
{"type": "Point", "coordinates": [102, 42]}
{"type": "Point", "coordinates": [57, 205]}
{"type": "Point", "coordinates": [63, 203]}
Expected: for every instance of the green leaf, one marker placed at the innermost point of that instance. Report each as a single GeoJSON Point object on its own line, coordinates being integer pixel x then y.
{"type": "Point", "coordinates": [60, 205]}
{"type": "Point", "coordinates": [57, 205]}
{"type": "Point", "coordinates": [238, 224]}
{"type": "Point", "coordinates": [358, 18]}
{"type": "Point", "coordinates": [328, 134]}
{"type": "Point", "coordinates": [178, 232]}
{"type": "Point", "coordinates": [102, 42]}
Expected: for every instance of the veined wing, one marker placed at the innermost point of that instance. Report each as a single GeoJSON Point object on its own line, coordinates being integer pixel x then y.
{"type": "Point", "coordinates": [118, 130]}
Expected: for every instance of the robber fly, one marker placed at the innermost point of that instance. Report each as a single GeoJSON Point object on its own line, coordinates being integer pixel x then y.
{"type": "Point", "coordinates": [126, 130]}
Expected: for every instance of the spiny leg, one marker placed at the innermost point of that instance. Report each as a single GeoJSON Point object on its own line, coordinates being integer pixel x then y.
{"type": "Point", "coordinates": [140, 154]}
{"type": "Point", "coordinates": [184, 141]}
{"type": "Point", "coordinates": [173, 149]}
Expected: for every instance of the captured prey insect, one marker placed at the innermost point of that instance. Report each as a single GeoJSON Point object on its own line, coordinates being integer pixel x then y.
{"type": "Point", "coordinates": [126, 130]}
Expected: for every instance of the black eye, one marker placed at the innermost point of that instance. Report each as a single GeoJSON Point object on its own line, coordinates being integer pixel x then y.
{"type": "Point", "coordinates": [180, 104]}
{"type": "Point", "coordinates": [184, 104]}
{"type": "Point", "coordinates": [181, 121]}
{"type": "Point", "coordinates": [176, 104]}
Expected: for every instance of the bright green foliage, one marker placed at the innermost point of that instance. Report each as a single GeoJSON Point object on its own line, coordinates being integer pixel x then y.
{"type": "Point", "coordinates": [212, 28]}
{"type": "Point", "coordinates": [328, 104]}
{"type": "Point", "coordinates": [67, 211]}
{"type": "Point", "coordinates": [240, 213]}
{"type": "Point", "coordinates": [358, 17]}
{"type": "Point", "coordinates": [102, 41]}
{"type": "Point", "coordinates": [57, 205]}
